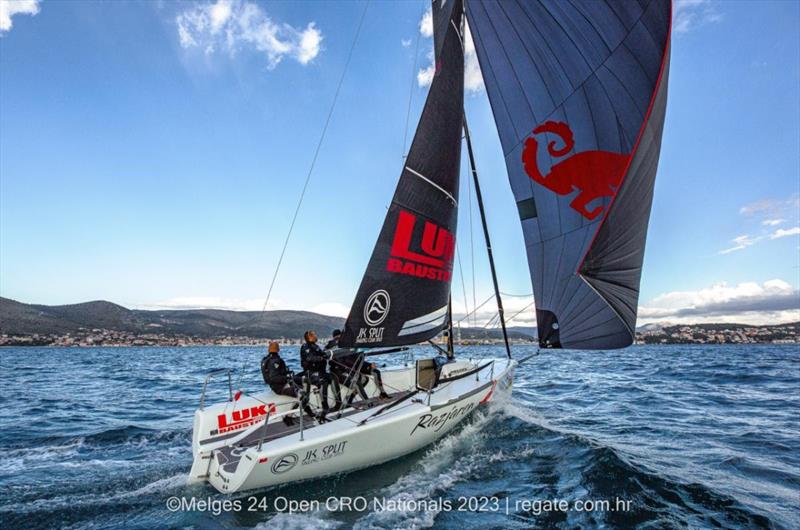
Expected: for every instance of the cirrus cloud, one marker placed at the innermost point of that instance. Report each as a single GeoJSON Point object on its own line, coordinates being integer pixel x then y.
{"type": "Point", "coordinates": [769, 213]}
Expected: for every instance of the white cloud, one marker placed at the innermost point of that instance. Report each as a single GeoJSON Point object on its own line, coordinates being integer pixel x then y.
{"type": "Point", "coordinates": [690, 14]}
{"type": "Point", "coordinates": [425, 75]}
{"type": "Point", "coordinates": [748, 302]}
{"type": "Point", "coordinates": [405, 42]}
{"type": "Point", "coordinates": [741, 242]}
{"type": "Point", "coordinates": [426, 24]}
{"type": "Point", "coordinates": [772, 208]}
{"type": "Point", "coordinates": [9, 8]}
{"type": "Point", "coordinates": [473, 79]}
{"type": "Point", "coordinates": [334, 309]}
{"type": "Point", "coordinates": [780, 232]}
{"type": "Point", "coordinates": [211, 302]}
{"type": "Point", "coordinates": [768, 213]}
{"type": "Point", "coordinates": [310, 44]}
{"type": "Point", "coordinates": [235, 24]}
{"type": "Point", "coordinates": [219, 14]}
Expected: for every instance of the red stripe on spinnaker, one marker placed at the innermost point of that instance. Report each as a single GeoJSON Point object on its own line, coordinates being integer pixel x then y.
{"type": "Point", "coordinates": [638, 137]}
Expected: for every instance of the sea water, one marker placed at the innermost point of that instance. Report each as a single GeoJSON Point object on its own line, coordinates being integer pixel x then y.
{"type": "Point", "coordinates": [649, 437]}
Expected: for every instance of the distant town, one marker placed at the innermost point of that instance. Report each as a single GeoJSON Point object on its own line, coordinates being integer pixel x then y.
{"type": "Point", "coordinates": [719, 334]}
{"type": "Point", "coordinates": [102, 323]}
{"type": "Point", "coordinates": [677, 334]}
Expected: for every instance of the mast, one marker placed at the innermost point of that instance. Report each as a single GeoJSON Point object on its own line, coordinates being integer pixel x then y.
{"type": "Point", "coordinates": [450, 351]}
{"type": "Point", "coordinates": [479, 197]}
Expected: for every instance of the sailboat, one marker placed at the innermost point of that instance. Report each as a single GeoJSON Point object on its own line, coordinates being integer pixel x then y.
{"type": "Point", "coordinates": [578, 90]}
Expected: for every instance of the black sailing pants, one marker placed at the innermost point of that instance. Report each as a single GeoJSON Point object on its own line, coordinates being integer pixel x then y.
{"type": "Point", "coordinates": [324, 380]}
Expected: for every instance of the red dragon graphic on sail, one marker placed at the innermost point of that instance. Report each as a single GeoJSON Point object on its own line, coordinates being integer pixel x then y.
{"type": "Point", "coordinates": [595, 174]}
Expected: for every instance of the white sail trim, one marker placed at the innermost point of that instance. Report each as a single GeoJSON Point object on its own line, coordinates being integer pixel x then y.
{"type": "Point", "coordinates": [425, 322]}
{"type": "Point", "coordinates": [432, 183]}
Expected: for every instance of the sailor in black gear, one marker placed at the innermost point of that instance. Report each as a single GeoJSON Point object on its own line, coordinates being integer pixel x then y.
{"type": "Point", "coordinates": [341, 367]}
{"type": "Point", "coordinates": [315, 363]}
{"type": "Point", "coordinates": [351, 369]}
{"type": "Point", "coordinates": [279, 378]}
{"type": "Point", "coordinates": [334, 342]}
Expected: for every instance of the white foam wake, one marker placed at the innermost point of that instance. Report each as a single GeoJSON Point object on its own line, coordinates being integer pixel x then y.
{"type": "Point", "coordinates": [451, 460]}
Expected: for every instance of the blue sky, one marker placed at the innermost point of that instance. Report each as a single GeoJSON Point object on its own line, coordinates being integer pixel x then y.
{"type": "Point", "coordinates": [152, 154]}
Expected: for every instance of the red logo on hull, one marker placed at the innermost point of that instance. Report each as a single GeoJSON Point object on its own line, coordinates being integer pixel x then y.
{"type": "Point", "coordinates": [434, 261]}
{"type": "Point", "coordinates": [243, 418]}
{"type": "Point", "coordinates": [595, 174]}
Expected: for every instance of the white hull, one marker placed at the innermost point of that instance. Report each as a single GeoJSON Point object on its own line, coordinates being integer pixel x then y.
{"type": "Point", "coordinates": [341, 445]}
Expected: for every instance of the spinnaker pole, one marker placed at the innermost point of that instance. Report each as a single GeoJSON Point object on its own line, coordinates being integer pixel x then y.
{"type": "Point", "coordinates": [479, 198]}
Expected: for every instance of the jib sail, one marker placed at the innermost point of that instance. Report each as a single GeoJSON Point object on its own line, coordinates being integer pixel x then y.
{"type": "Point", "coordinates": [404, 293]}
{"type": "Point", "coordinates": [578, 89]}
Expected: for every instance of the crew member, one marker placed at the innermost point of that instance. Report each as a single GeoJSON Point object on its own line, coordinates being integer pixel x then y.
{"type": "Point", "coordinates": [279, 378]}
{"type": "Point", "coordinates": [334, 342]}
{"type": "Point", "coordinates": [342, 367]}
{"type": "Point", "coordinates": [315, 363]}
{"type": "Point", "coordinates": [351, 368]}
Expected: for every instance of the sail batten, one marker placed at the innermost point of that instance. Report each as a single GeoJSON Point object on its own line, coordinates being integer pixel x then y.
{"type": "Point", "coordinates": [578, 90]}
{"type": "Point", "coordinates": [404, 293]}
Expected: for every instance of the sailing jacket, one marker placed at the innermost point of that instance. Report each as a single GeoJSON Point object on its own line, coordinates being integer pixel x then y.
{"type": "Point", "coordinates": [312, 358]}
{"type": "Point", "coordinates": [274, 370]}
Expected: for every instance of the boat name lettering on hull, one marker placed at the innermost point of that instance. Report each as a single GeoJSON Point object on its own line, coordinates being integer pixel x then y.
{"type": "Point", "coordinates": [325, 453]}
{"type": "Point", "coordinates": [436, 422]}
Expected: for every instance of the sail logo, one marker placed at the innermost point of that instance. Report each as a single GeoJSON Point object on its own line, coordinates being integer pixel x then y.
{"type": "Point", "coordinates": [431, 259]}
{"type": "Point", "coordinates": [377, 307]}
{"type": "Point", "coordinates": [240, 419]}
{"type": "Point", "coordinates": [595, 174]}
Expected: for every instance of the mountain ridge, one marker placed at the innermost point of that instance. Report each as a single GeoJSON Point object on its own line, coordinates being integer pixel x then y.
{"type": "Point", "coordinates": [19, 318]}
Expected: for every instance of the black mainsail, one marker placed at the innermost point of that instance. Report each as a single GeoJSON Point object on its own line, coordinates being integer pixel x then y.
{"type": "Point", "coordinates": [578, 89]}
{"type": "Point", "coordinates": [403, 297]}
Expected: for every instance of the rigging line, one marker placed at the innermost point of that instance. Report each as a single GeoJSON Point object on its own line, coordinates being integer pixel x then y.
{"type": "Point", "coordinates": [520, 311]}
{"type": "Point", "coordinates": [411, 89]}
{"type": "Point", "coordinates": [461, 273]}
{"type": "Point", "coordinates": [316, 154]}
{"type": "Point", "coordinates": [476, 309]}
{"type": "Point", "coordinates": [491, 321]}
{"type": "Point", "coordinates": [471, 244]}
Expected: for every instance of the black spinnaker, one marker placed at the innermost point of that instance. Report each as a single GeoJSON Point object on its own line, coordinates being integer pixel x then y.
{"type": "Point", "coordinates": [578, 89]}
{"type": "Point", "coordinates": [404, 294]}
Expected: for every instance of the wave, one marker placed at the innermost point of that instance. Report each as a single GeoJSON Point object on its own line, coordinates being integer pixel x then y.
{"type": "Point", "coordinates": [566, 466]}
{"type": "Point", "coordinates": [602, 472]}
{"type": "Point", "coordinates": [452, 459]}
{"type": "Point", "coordinates": [298, 521]}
